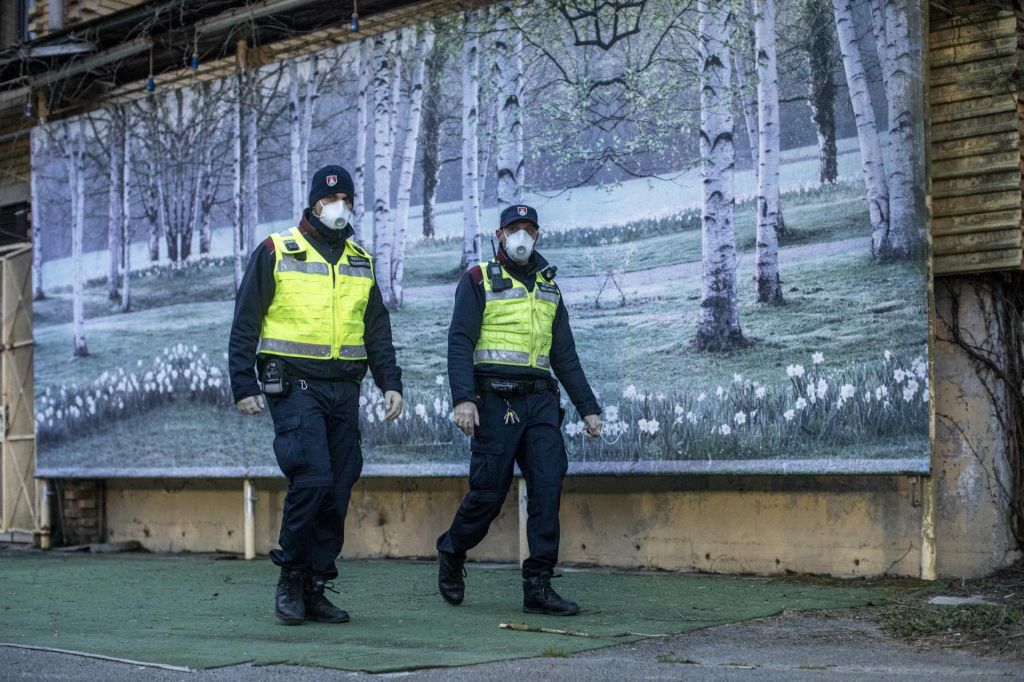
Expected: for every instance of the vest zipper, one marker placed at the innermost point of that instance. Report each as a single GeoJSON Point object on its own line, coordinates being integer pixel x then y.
{"type": "Point", "coordinates": [533, 325]}
{"type": "Point", "coordinates": [335, 347]}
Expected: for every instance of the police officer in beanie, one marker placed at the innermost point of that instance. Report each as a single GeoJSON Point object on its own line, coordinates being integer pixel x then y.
{"type": "Point", "coordinates": [310, 320]}
{"type": "Point", "coordinates": [509, 330]}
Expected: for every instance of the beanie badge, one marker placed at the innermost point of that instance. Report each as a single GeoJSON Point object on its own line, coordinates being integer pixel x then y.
{"type": "Point", "coordinates": [332, 180]}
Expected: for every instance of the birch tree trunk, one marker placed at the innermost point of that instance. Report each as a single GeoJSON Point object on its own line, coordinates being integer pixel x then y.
{"type": "Point", "coordinates": [238, 236]}
{"type": "Point", "coordinates": [424, 43]}
{"type": "Point", "coordinates": [294, 135]}
{"type": "Point", "coordinates": [397, 64]}
{"type": "Point", "coordinates": [382, 155]}
{"type": "Point", "coordinates": [819, 47]}
{"type": "Point", "coordinates": [878, 30]}
{"type": "Point", "coordinates": [398, 47]}
{"type": "Point", "coordinates": [488, 111]}
{"type": "Point", "coordinates": [153, 212]}
{"type": "Point", "coordinates": [718, 327]}
{"type": "Point", "coordinates": [302, 93]}
{"type": "Point", "coordinates": [902, 240]}
{"type": "Point", "coordinates": [167, 189]}
{"type": "Point", "coordinates": [126, 233]}
{"type": "Point", "coordinates": [746, 92]}
{"type": "Point", "coordinates": [37, 143]}
{"type": "Point", "coordinates": [170, 224]}
{"type": "Point", "coordinates": [76, 179]}
{"type": "Point", "coordinates": [744, 59]}
{"type": "Point", "coordinates": [470, 102]}
{"type": "Point", "coordinates": [209, 184]}
{"type": "Point", "coordinates": [252, 165]}
{"type": "Point", "coordinates": [768, 284]}
{"type": "Point", "coordinates": [432, 119]}
{"type": "Point", "coordinates": [872, 166]}
{"type": "Point", "coordinates": [116, 201]}
{"type": "Point", "coordinates": [362, 132]}
{"type": "Point", "coordinates": [311, 96]}
{"type": "Point", "coordinates": [508, 77]}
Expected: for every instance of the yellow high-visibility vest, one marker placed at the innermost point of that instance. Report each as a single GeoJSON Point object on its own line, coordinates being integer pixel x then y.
{"type": "Point", "coordinates": [318, 309]}
{"type": "Point", "coordinates": [517, 323]}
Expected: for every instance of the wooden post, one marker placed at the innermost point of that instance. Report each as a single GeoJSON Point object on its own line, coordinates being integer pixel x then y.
{"type": "Point", "coordinates": [45, 522]}
{"type": "Point", "coordinates": [928, 553]}
{"type": "Point", "coordinates": [249, 495]}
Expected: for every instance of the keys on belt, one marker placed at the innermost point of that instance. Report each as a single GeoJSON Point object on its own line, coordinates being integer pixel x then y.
{"type": "Point", "coordinates": [513, 386]}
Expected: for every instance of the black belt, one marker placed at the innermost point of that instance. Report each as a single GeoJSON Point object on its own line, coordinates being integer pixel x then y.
{"type": "Point", "coordinates": [294, 374]}
{"type": "Point", "coordinates": [514, 386]}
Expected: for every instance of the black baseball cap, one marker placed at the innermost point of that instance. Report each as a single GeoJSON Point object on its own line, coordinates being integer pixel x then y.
{"type": "Point", "coordinates": [519, 212]}
{"type": "Point", "coordinates": [330, 180]}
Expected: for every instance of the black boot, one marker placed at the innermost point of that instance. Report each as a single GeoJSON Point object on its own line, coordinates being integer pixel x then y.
{"type": "Point", "coordinates": [318, 607]}
{"type": "Point", "coordinates": [539, 597]}
{"type": "Point", "coordinates": [289, 601]}
{"type": "Point", "coordinates": [450, 574]}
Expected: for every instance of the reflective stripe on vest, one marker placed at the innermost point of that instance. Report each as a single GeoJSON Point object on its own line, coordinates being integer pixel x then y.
{"type": "Point", "coordinates": [292, 265]}
{"type": "Point", "coordinates": [517, 324]}
{"type": "Point", "coordinates": [351, 271]}
{"type": "Point", "coordinates": [515, 292]}
{"type": "Point", "coordinates": [500, 357]}
{"type": "Point", "coordinates": [317, 310]}
{"type": "Point", "coordinates": [282, 347]}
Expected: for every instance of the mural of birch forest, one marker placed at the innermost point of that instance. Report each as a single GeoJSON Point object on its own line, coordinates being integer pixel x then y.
{"type": "Point", "coordinates": [731, 189]}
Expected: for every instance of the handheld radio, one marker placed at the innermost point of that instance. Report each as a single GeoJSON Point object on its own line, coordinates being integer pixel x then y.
{"type": "Point", "coordinates": [494, 273]}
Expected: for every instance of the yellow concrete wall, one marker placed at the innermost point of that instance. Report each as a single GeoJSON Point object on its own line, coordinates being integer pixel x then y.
{"type": "Point", "coordinates": [841, 526]}
{"type": "Point", "coordinates": [973, 478]}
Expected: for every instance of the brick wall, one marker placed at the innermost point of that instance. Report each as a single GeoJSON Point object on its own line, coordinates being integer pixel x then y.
{"type": "Point", "coordinates": [81, 512]}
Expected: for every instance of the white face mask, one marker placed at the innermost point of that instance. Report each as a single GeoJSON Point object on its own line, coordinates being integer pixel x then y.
{"type": "Point", "coordinates": [519, 246]}
{"type": "Point", "coordinates": [335, 215]}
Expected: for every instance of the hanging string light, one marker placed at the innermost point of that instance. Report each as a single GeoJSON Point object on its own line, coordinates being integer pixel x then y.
{"type": "Point", "coordinates": [150, 82]}
{"type": "Point", "coordinates": [354, 25]}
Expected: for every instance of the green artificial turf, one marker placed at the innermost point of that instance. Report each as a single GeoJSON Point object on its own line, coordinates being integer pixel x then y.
{"type": "Point", "coordinates": [202, 613]}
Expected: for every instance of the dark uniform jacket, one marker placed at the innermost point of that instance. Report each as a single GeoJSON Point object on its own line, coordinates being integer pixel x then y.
{"type": "Point", "coordinates": [465, 331]}
{"type": "Point", "coordinates": [254, 297]}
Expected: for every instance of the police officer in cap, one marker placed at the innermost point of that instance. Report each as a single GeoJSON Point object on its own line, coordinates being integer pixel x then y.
{"type": "Point", "coordinates": [310, 320]}
{"type": "Point", "coordinates": [509, 330]}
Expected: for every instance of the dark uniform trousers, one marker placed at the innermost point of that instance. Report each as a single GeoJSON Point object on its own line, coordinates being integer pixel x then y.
{"type": "Point", "coordinates": [535, 443]}
{"type": "Point", "coordinates": [317, 444]}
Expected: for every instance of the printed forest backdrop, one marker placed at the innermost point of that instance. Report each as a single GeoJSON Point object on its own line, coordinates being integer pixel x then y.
{"type": "Point", "coordinates": [732, 192]}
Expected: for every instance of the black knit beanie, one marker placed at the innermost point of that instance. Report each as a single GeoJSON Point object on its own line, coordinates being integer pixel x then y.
{"type": "Point", "coordinates": [330, 180]}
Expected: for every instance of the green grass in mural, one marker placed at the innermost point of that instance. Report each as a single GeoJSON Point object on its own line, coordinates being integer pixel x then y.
{"type": "Point", "coordinates": [832, 307]}
{"type": "Point", "coordinates": [848, 308]}
{"type": "Point", "coordinates": [834, 214]}
{"type": "Point", "coordinates": [842, 217]}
